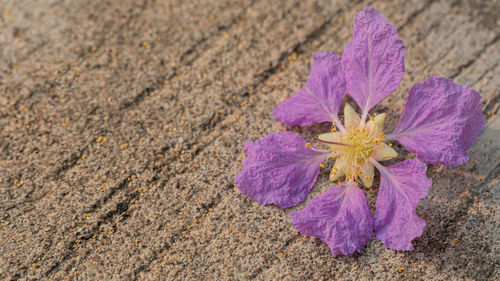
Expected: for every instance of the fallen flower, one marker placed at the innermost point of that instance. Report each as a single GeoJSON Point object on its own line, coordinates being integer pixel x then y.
{"type": "Point", "coordinates": [439, 123]}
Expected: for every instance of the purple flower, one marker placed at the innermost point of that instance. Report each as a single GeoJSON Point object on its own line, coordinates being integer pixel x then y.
{"type": "Point", "coordinates": [439, 123]}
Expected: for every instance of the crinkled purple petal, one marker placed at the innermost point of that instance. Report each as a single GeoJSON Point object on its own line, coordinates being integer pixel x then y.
{"type": "Point", "coordinates": [339, 217]}
{"type": "Point", "coordinates": [320, 99]}
{"type": "Point", "coordinates": [401, 187]}
{"type": "Point", "coordinates": [440, 121]}
{"type": "Point", "coordinates": [373, 62]}
{"type": "Point", "coordinates": [279, 170]}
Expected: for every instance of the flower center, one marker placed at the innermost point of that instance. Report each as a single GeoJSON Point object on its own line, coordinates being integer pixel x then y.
{"type": "Point", "coordinates": [355, 145]}
{"type": "Point", "coordinates": [360, 144]}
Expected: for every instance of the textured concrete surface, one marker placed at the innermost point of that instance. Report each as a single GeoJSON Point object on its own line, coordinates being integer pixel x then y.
{"type": "Point", "coordinates": [122, 127]}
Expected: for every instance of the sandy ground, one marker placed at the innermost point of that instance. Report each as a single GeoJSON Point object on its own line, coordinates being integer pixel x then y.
{"type": "Point", "coordinates": [123, 122]}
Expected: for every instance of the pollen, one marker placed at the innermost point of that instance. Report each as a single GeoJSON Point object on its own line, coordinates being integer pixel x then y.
{"type": "Point", "coordinates": [308, 145]}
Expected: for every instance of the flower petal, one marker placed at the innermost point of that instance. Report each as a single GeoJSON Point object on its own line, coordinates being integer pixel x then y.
{"type": "Point", "coordinates": [440, 121]}
{"type": "Point", "coordinates": [330, 137]}
{"type": "Point", "coordinates": [339, 170]}
{"type": "Point", "coordinates": [366, 175]}
{"type": "Point", "coordinates": [376, 124]}
{"type": "Point", "coordinates": [373, 62]}
{"type": "Point", "coordinates": [339, 217]}
{"type": "Point", "coordinates": [351, 118]}
{"type": "Point", "coordinates": [401, 187]}
{"type": "Point", "coordinates": [384, 152]}
{"type": "Point", "coordinates": [279, 170]}
{"type": "Point", "coordinates": [320, 99]}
